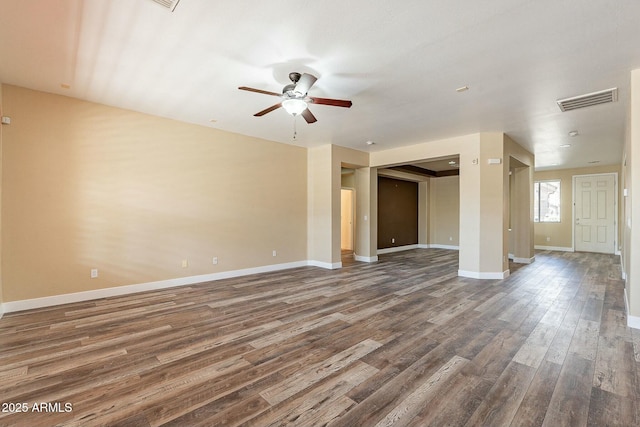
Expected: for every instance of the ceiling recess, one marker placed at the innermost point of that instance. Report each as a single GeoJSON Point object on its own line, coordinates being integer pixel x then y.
{"type": "Point", "coordinates": [589, 99]}
{"type": "Point", "coordinates": [169, 4]}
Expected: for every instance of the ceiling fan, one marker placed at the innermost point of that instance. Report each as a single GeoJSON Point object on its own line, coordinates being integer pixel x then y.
{"type": "Point", "coordinates": [295, 99]}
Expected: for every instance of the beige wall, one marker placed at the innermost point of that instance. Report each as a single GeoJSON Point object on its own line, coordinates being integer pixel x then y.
{"type": "Point", "coordinates": [319, 197]}
{"type": "Point", "coordinates": [444, 211]}
{"type": "Point", "coordinates": [424, 236]}
{"type": "Point", "coordinates": [348, 180]}
{"type": "Point", "coordinates": [324, 183]}
{"type": "Point", "coordinates": [366, 245]}
{"type": "Point", "coordinates": [1, 293]}
{"type": "Point", "coordinates": [631, 173]}
{"type": "Point", "coordinates": [560, 234]}
{"type": "Point", "coordinates": [90, 186]}
{"type": "Point", "coordinates": [519, 209]}
{"type": "Point", "coordinates": [493, 184]}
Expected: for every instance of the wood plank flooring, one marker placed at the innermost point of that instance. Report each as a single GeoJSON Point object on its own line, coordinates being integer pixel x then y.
{"type": "Point", "coordinates": [402, 342]}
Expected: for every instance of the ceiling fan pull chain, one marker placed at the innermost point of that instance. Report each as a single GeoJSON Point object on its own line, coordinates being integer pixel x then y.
{"type": "Point", "coordinates": [295, 132]}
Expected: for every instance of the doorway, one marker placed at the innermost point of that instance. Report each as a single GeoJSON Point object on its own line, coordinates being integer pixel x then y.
{"type": "Point", "coordinates": [594, 213]}
{"type": "Point", "coordinates": [346, 220]}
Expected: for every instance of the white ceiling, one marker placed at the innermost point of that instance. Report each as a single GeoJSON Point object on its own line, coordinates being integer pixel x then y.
{"type": "Point", "coordinates": [398, 61]}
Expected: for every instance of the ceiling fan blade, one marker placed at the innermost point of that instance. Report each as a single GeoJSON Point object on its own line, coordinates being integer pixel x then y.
{"type": "Point", "coordinates": [266, 92]}
{"type": "Point", "coordinates": [333, 102]}
{"type": "Point", "coordinates": [268, 110]}
{"type": "Point", "coordinates": [304, 84]}
{"type": "Point", "coordinates": [308, 116]}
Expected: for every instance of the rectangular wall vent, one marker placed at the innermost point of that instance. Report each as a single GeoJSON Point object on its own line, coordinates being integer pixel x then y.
{"type": "Point", "coordinates": [589, 99]}
{"type": "Point", "coordinates": [169, 4]}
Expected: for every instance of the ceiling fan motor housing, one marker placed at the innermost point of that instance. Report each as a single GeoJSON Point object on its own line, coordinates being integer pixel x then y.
{"type": "Point", "coordinates": [294, 77]}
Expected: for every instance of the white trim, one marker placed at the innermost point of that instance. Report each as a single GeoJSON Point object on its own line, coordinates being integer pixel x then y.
{"type": "Point", "coordinates": [1, 310]}
{"type": "Point", "coordinates": [327, 265]}
{"type": "Point", "coordinates": [438, 246]}
{"type": "Point", "coordinates": [365, 258]}
{"type": "Point", "coordinates": [524, 260]}
{"type": "Point", "coordinates": [553, 248]}
{"type": "Point", "coordinates": [418, 246]}
{"type": "Point", "coordinates": [28, 304]}
{"type": "Point", "coordinates": [632, 321]}
{"type": "Point", "coordinates": [484, 275]}
{"type": "Point", "coordinates": [397, 249]}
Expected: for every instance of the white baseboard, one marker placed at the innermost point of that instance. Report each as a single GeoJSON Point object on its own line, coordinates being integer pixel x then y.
{"type": "Point", "coordinates": [438, 246]}
{"type": "Point", "coordinates": [483, 275]}
{"type": "Point", "coordinates": [397, 249]}
{"type": "Point", "coordinates": [365, 258]}
{"type": "Point", "coordinates": [327, 265]}
{"type": "Point", "coordinates": [554, 248]}
{"type": "Point", "coordinates": [418, 246]}
{"type": "Point", "coordinates": [523, 260]}
{"type": "Point", "coordinates": [632, 321]}
{"type": "Point", "coordinates": [1, 310]}
{"type": "Point", "coordinates": [28, 304]}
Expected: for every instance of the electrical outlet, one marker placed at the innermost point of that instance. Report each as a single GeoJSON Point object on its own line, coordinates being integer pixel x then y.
{"type": "Point", "coordinates": [450, 238]}
{"type": "Point", "coordinates": [185, 263]}
{"type": "Point", "coordinates": [393, 240]}
{"type": "Point", "coordinates": [275, 253]}
{"type": "Point", "coordinates": [215, 260]}
{"type": "Point", "coordinates": [548, 239]}
{"type": "Point", "coordinates": [94, 273]}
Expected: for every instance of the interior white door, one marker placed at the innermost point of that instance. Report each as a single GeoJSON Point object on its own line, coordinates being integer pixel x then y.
{"type": "Point", "coordinates": [594, 213]}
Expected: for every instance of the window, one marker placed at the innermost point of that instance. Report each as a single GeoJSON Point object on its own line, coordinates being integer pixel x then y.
{"type": "Point", "coordinates": [546, 201]}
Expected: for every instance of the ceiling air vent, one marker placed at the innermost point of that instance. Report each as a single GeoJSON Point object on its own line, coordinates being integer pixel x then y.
{"type": "Point", "coordinates": [169, 4]}
{"type": "Point", "coordinates": [589, 99]}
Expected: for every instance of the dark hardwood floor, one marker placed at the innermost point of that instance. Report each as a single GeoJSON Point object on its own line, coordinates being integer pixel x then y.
{"type": "Point", "coordinates": [400, 342]}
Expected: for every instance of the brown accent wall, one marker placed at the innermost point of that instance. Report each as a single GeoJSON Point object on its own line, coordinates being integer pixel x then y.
{"type": "Point", "coordinates": [397, 213]}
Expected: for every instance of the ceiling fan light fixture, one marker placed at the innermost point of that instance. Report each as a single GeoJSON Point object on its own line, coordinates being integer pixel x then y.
{"type": "Point", "coordinates": [294, 106]}
{"type": "Point", "coordinates": [294, 98]}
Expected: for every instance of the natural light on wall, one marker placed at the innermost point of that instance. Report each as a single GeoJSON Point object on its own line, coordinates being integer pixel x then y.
{"type": "Point", "coordinates": [546, 201]}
